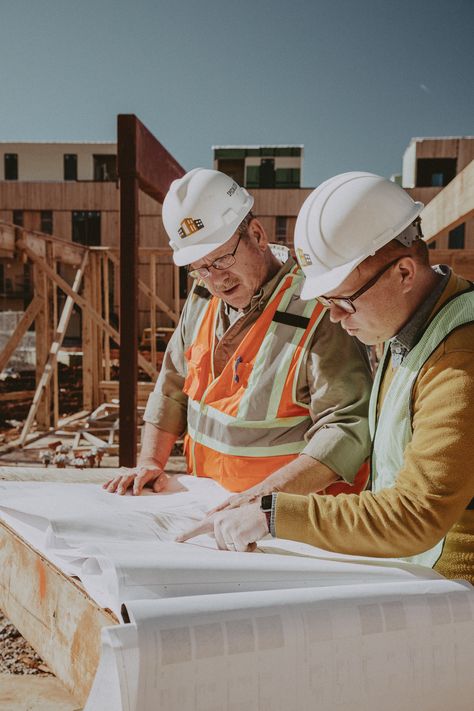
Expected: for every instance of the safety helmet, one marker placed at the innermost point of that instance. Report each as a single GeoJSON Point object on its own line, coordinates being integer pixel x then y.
{"type": "Point", "coordinates": [347, 219]}
{"type": "Point", "coordinates": [201, 211]}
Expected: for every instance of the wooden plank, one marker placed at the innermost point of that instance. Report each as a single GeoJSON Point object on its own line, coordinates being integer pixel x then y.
{"type": "Point", "coordinates": [153, 308]}
{"type": "Point", "coordinates": [48, 371]}
{"type": "Point", "coordinates": [70, 419]}
{"type": "Point", "coordinates": [55, 377]}
{"type": "Point", "coordinates": [52, 611]}
{"type": "Point", "coordinates": [87, 346]}
{"type": "Point", "coordinates": [105, 278]}
{"type": "Point", "coordinates": [17, 396]}
{"type": "Point", "coordinates": [96, 331]}
{"type": "Point", "coordinates": [23, 325]}
{"type": "Point", "coordinates": [42, 340]}
{"type": "Point", "coordinates": [153, 165]}
{"type": "Point", "coordinates": [110, 391]}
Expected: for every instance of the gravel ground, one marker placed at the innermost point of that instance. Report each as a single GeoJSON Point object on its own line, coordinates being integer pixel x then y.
{"type": "Point", "coordinates": [16, 655]}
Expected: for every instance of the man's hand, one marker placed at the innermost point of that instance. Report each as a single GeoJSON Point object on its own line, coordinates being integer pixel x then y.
{"type": "Point", "coordinates": [246, 497]}
{"type": "Point", "coordinates": [234, 530]}
{"type": "Point", "coordinates": [150, 475]}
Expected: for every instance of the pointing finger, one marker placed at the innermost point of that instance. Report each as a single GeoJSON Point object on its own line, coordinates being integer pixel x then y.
{"type": "Point", "coordinates": [205, 526]}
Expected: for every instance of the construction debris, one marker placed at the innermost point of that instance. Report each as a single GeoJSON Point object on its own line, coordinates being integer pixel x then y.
{"type": "Point", "coordinates": [16, 655]}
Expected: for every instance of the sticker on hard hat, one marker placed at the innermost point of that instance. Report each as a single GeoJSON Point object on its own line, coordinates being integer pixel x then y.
{"type": "Point", "coordinates": [232, 189]}
{"type": "Point", "coordinates": [189, 226]}
{"type": "Point", "coordinates": [303, 258]}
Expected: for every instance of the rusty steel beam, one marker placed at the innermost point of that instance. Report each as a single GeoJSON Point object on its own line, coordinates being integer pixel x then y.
{"type": "Point", "coordinates": [143, 164]}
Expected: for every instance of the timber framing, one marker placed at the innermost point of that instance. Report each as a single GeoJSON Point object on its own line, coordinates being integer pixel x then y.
{"type": "Point", "coordinates": [93, 271]}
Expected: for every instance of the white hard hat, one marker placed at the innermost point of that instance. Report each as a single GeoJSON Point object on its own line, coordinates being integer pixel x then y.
{"type": "Point", "coordinates": [344, 221]}
{"type": "Point", "coordinates": [201, 211]}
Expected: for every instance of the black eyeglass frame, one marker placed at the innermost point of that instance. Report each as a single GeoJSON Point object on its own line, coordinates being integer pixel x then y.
{"type": "Point", "coordinates": [346, 302]}
{"type": "Point", "coordinates": [216, 264]}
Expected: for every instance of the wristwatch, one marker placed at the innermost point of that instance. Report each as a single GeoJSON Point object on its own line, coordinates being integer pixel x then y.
{"type": "Point", "coordinates": [266, 506]}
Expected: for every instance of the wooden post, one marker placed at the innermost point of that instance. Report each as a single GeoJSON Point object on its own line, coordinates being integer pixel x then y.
{"type": "Point", "coordinates": [87, 345]}
{"type": "Point", "coordinates": [105, 281]}
{"type": "Point", "coordinates": [55, 378]}
{"type": "Point", "coordinates": [143, 163]}
{"type": "Point", "coordinates": [43, 414]}
{"type": "Point", "coordinates": [129, 240]}
{"type": "Point", "coordinates": [153, 308]}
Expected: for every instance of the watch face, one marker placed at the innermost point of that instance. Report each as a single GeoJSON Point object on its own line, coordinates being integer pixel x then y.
{"type": "Point", "coordinates": [266, 502]}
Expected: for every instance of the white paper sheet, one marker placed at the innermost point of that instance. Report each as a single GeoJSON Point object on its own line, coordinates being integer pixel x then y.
{"type": "Point", "coordinates": [122, 548]}
{"type": "Point", "coordinates": [405, 645]}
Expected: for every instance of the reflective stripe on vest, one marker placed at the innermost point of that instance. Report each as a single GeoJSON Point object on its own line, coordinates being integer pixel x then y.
{"type": "Point", "coordinates": [392, 433]}
{"type": "Point", "coordinates": [246, 423]}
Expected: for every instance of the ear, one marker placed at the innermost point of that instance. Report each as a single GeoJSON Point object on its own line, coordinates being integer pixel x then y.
{"type": "Point", "coordinates": [407, 270]}
{"type": "Point", "coordinates": [257, 231]}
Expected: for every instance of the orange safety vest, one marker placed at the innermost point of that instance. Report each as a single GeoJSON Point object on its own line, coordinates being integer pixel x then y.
{"type": "Point", "coordinates": [246, 422]}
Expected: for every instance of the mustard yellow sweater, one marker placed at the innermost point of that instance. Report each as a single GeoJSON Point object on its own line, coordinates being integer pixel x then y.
{"type": "Point", "coordinates": [433, 488]}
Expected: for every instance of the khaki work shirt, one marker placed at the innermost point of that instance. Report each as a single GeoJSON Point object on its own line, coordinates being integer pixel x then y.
{"type": "Point", "coordinates": [335, 382]}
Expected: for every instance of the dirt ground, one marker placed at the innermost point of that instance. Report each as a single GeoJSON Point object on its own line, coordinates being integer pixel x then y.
{"type": "Point", "coordinates": [16, 655]}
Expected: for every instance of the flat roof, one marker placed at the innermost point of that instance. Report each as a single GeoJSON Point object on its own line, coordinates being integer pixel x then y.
{"type": "Point", "coordinates": [263, 145]}
{"type": "Point", "coordinates": [439, 138]}
{"type": "Point", "coordinates": [78, 143]}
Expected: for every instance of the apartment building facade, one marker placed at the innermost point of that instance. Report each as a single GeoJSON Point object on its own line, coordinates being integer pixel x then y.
{"type": "Point", "coordinates": [429, 165]}
{"type": "Point", "coordinates": [70, 190]}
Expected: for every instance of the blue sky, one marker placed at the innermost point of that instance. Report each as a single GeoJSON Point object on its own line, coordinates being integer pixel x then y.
{"type": "Point", "coordinates": [352, 80]}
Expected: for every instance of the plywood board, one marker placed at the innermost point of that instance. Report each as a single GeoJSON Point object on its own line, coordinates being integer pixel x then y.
{"type": "Point", "coordinates": [52, 612]}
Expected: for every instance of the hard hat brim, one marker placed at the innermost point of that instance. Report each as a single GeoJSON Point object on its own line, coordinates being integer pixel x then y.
{"type": "Point", "coordinates": [320, 284]}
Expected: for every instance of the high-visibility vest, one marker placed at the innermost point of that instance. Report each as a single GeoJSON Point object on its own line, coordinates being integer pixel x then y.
{"type": "Point", "coordinates": [247, 422]}
{"type": "Point", "coordinates": [392, 431]}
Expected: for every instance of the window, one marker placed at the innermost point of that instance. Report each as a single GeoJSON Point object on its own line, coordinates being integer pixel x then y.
{"type": "Point", "coordinates": [434, 172]}
{"type": "Point", "coordinates": [86, 227]}
{"type": "Point", "coordinates": [234, 168]}
{"type": "Point", "coordinates": [432, 245]}
{"type": "Point", "coordinates": [47, 221]}
{"type": "Point", "coordinates": [18, 218]}
{"type": "Point", "coordinates": [105, 167]}
{"type": "Point", "coordinates": [11, 166]}
{"type": "Point", "coordinates": [267, 173]}
{"type": "Point", "coordinates": [456, 237]}
{"type": "Point", "coordinates": [281, 226]}
{"type": "Point", "coordinates": [288, 178]}
{"type": "Point", "coordinates": [70, 166]}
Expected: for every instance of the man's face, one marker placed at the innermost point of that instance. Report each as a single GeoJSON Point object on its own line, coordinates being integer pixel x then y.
{"type": "Point", "coordinates": [380, 311]}
{"type": "Point", "coordinates": [238, 283]}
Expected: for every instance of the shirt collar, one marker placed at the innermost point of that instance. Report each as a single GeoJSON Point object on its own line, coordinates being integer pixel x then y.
{"type": "Point", "coordinates": [260, 298]}
{"type": "Point", "coordinates": [402, 343]}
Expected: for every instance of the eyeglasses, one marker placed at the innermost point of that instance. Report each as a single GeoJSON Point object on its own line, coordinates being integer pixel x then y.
{"type": "Point", "coordinates": [347, 302]}
{"type": "Point", "coordinates": [224, 262]}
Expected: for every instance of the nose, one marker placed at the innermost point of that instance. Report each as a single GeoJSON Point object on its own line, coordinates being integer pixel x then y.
{"type": "Point", "coordinates": [336, 314]}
